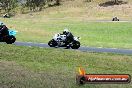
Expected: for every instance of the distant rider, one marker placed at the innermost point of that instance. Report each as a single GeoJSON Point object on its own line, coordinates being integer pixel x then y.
{"type": "Point", "coordinates": [3, 29]}
{"type": "Point", "coordinates": [69, 36]}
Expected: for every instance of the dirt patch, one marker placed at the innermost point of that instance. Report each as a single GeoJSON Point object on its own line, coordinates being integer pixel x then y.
{"type": "Point", "coordinates": [12, 75]}
{"type": "Point", "coordinates": [8, 70]}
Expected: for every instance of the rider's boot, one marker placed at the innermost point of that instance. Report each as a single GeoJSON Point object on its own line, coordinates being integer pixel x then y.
{"type": "Point", "coordinates": [68, 46]}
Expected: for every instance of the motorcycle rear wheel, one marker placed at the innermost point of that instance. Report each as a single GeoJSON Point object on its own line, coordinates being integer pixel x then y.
{"type": "Point", "coordinates": [75, 45]}
{"type": "Point", "coordinates": [10, 39]}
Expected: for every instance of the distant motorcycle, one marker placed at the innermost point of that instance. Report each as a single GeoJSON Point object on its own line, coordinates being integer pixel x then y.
{"type": "Point", "coordinates": [59, 41]}
{"type": "Point", "coordinates": [9, 39]}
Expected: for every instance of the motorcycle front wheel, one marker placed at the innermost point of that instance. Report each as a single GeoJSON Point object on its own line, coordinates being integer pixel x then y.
{"type": "Point", "coordinates": [52, 43]}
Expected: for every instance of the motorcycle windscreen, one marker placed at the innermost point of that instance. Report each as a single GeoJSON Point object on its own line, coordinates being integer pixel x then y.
{"type": "Point", "coordinates": [12, 32]}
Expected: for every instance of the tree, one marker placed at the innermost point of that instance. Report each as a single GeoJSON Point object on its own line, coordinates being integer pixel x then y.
{"type": "Point", "coordinates": [57, 2]}
{"type": "Point", "coordinates": [116, 1]}
{"type": "Point", "coordinates": [35, 5]}
{"type": "Point", "coordinates": [8, 5]}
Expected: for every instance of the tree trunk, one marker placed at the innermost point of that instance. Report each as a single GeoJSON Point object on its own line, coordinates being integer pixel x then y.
{"type": "Point", "coordinates": [116, 1]}
{"type": "Point", "coordinates": [57, 2]}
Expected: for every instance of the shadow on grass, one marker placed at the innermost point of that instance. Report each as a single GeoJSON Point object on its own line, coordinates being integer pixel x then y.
{"type": "Point", "coordinates": [112, 3]}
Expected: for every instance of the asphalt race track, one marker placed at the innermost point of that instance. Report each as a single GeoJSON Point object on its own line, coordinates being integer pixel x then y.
{"type": "Point", "coordinates": [82, 48]}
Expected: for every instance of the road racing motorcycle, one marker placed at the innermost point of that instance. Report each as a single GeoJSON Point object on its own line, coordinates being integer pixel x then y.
{"type": "Point", "coordinates": [59, 41]}
{"type": "Point", "coordinates": [9, 39]}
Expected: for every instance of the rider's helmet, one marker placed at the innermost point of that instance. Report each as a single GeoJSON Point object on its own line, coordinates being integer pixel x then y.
{"type": "Point", "coordinates": [1, 24]}
{"type": "Point", "coordinates": [65, 31]}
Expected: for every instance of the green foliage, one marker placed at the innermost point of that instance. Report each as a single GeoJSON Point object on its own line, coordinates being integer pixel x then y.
{"type": "Point", "coordinates": [8, 5]}
{"type": "Point", "coordinates": [34, 5]}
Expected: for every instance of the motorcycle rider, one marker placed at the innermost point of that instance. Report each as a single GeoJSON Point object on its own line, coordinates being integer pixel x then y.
{"type": "Point", "coordinates": [3, 29]}
{"type": "Point", "coordinates": [69, 37]}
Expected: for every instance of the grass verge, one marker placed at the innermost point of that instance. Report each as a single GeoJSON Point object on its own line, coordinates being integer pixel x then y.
{"type": "Point", "coordinates": [33, 67]}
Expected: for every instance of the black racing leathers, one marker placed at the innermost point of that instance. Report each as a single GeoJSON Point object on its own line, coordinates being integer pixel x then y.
{"type": "Point", "coordinates": [69, 38]}
{"type": "Point", "coordinates": [4, 31]}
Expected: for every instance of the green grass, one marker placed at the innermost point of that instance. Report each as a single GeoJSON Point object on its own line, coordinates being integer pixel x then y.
{"type": "Point", "coordinates": [95, 34]}
{"type": "Point", "coordinates": [33, 67]}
